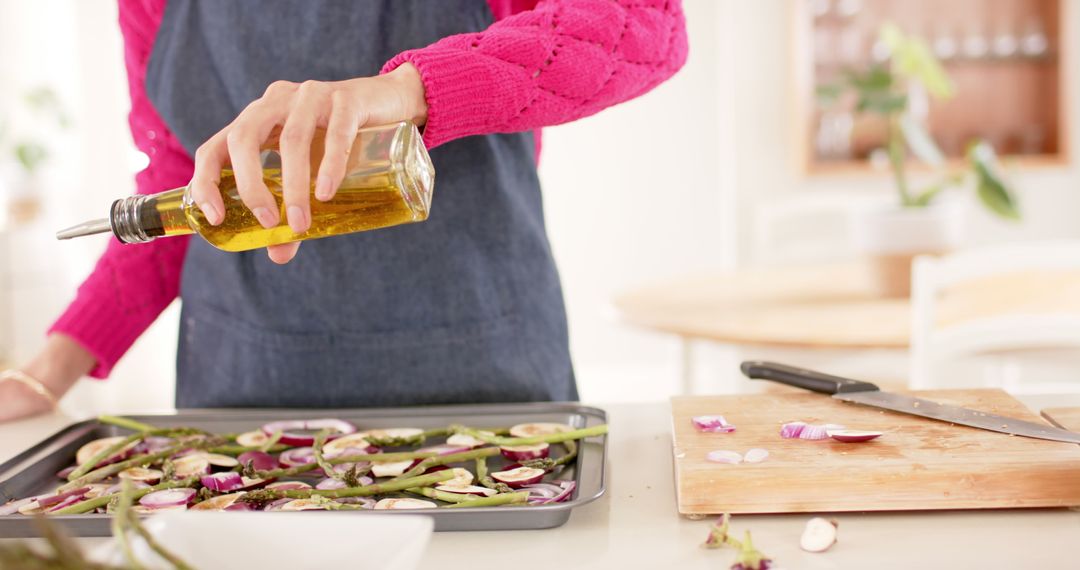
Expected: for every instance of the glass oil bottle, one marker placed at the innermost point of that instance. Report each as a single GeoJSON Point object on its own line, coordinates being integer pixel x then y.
{"type": "Point", "coordinates": [388, 181]}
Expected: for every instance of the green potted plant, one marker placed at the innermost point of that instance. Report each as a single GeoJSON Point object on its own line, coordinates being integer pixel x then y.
{"type": "Point", "coordinates": [923, 221]}
{"type": "Point", "coordinates": [24, 155]}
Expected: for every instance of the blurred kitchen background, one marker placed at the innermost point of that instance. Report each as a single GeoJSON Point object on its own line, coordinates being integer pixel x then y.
{"type": "Point", "coordinates": [749, 207]}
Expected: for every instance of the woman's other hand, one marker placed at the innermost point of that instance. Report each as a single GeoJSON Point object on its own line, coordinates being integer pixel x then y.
{"type": "Point", "coordinates": [340, 107]}
{"type": "Point", "coordinates": [57, 367]}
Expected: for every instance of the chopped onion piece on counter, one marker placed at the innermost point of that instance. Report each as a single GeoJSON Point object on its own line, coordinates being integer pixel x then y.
{"type": "Point", "coordinates": [724, 456]}
{"type": "Point", "coordinates": [712, 424]}
{"type": "Point", "coordinates": [803, 430]}
{"type": "Point", "coordinates": [819, 535]}
{"type": "Point", "coordinates": [853, 436]}
{"type": "Point", "coordinates": [756, 455]}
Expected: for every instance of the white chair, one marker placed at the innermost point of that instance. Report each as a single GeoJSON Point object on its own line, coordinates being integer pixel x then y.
{"type": "Point", "coordinates": [1001, 339]}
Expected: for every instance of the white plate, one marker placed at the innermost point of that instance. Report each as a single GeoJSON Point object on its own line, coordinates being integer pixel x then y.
{"type": "Point", "coordinates": [213, 540]}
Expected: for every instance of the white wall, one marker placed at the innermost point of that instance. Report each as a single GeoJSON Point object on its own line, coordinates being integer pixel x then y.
{"type": "Point", "coordinates": [660, 186]}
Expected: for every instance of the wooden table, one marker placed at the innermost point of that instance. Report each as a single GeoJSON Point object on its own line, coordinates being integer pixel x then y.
{"type": "Point", "coordinates": [636, 525]}
{"type": "Point", "coordinates": [823, 306]}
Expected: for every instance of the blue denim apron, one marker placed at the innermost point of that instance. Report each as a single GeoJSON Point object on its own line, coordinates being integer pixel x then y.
{"type": "Point", "coordinates": [465, 307]}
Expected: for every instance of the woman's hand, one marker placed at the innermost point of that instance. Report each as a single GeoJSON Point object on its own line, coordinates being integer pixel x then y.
{"type": "Point", "coordinates": [341, 107]}
{"type": "Point", "coordinates": [58, 366]}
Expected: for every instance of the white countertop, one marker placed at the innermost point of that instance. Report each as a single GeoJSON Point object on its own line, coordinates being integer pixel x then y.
{"type": "Point", "coordinates": [635, 524]}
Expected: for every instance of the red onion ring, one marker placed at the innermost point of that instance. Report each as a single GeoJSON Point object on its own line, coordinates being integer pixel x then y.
{"type": "Point", "coordinates": [297, 456]}
{"type": "Point", "coordinates": [260, 460]}
{"type": "Point", "coordinates": [51, 500]}
{"type": "Point", "coordinates": [223, 482]}
{"type": "Point", "coordinates": [291, 438]}
{"type": "Point", "coordinates": [167, 498]}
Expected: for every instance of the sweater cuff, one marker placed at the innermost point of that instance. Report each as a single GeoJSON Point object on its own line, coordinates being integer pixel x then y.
{"type": "Point", "coordinates": [95, 327]}
{"type": "Point", "coordinates": [463, 93]}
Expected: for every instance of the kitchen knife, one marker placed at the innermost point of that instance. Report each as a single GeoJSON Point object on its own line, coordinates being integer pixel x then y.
{"type": "Point", "coordinates": [860, 392]}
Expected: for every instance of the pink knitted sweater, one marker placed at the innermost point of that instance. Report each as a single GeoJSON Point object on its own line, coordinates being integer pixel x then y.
{"type": "Point", "coordinates": [541, 63]}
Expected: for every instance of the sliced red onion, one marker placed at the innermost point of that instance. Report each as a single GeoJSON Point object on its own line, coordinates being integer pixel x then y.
{"type": "Point", "coordinates": [154, 444]}
{"type": "Point", "coordinates": [290, 437]}
{"type": "Point", "coordinates": [462, 477]}
{"type": "Point", "coordinates": [466, 490]}
{"type": "Point", "coordinates": [342, 468]}
{"type": "Point", "coordinates": [96, 490]}
{"type": "Point", "coordinates": [297, 456]}
{"type": "Point", "coordinates": [219, 503]}
{"type": "Point", "coordinates": [223, 482]}
{"type": "Point", "coordinates": [167, 498]}
{"type": "Point", "coordinates": [853, 436]}
{"type": "Point", "coordinates": [50, 500]}
{"type": "Point", "coordinates": [253, 438]}
{"type": "Point", "coordinates": [247, 484]}
{"type": "Point", "coordinates": [31, 508]}
{"type": "Point", "coordinates": [303, 505]}
{"type": "Point", "coordinates": [88, 451]}
{"type": "Point", "coordinates": [260, 460]}
{"type": "Point", "coordinates": [240, 506]}
{"type": "Point", "coordinates": [724, 456]}
{"type": "Point", "coordinates": [756, 455]}
{"type": "Point", "coordinates": [712, 424]}
{"type": "Point", "coordinates": [542, 490]}
{"type": "Point", "coordinates": [143, 474]}
{"type": "Point", "coordinates": [534, 429]}
{"type": "Point", "coordinates": [219, 460]}
{"type": "Point", "coordinates": [402, 504]}
{"type": "Point", "coordinates": [564, 489]}
{"type": "Point", "coordinates": [288, 486]}
{"type": "Point", "coordinates": [519, 477]}
{"type": "Point", "coordinates": [792, 430]}
{"type": "Point", "coordinates": [802, 430]}
{"type": "Point", "coordinates": [13, 507]}
{"type": "Point", "coordinates": [352, 444]}
{"type": "Point", "coordinates": [117, 487]}
{"type": "Point", "coordinates": [68, 501]}
{"type": "Point", "coordinates": [466, 440]}
{"type": "Point", "coordinates": [390, 468]}
{"type": "Point", "coordinates": [276, 505]}
{"type": "Point", "coordinates": [525, 452]}
{"type": "Point", "coordinates": [63, 473]}
{"type": "Point", "coordinates": [190, 465]}
{"type": "Point", "coordinates": [330, 484]}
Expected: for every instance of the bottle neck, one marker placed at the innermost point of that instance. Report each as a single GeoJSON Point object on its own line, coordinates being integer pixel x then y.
{"type": "Point", "coordinates": [146, 217]}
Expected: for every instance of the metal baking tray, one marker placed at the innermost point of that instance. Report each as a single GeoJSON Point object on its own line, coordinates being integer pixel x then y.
{"type": "Point", "coordinates": [33, 471]}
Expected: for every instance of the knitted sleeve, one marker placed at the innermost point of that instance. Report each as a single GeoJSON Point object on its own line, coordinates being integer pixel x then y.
{"type": "Point", "coordinates": [560, 61]}
{"type": "Point", "coordinates": [131, 285]}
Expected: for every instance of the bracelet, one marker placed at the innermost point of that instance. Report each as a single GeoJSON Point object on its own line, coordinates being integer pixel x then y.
{"type": "Point", "coordinates": [30, 382]}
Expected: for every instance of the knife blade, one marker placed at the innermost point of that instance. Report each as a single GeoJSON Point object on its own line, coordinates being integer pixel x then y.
{"type": "Point", "coordinates": [867, 393]}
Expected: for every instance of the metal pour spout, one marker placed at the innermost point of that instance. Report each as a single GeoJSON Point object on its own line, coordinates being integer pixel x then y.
{"type": "Point", "coordinates": [99, 226]}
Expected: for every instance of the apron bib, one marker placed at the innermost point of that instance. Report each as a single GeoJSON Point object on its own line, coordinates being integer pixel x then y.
{"type": "Point", "coordinates": [465, 307]}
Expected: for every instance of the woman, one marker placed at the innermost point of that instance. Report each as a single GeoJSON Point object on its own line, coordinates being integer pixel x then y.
{"type": "Point", "coordinates": [465, 307]}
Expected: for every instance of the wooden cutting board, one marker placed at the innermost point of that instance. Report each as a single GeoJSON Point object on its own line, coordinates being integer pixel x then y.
{"type": "Point", "coordinates": [918, 464]}
{"type": "Point", "coordinates": [1065, 418]}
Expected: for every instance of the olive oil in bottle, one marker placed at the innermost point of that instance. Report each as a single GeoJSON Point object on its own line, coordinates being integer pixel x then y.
{"type": "Point", "coordinates": [388, 181]}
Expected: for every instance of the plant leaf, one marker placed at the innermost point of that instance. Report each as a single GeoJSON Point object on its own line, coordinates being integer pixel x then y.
{"type": "Point", "coordinates": [920, 142]}
{"type": "Point", "coordinates": [989, 185]}
{"type": "Point", "coordinates": [912, 58]}
{"type": "Point", "coordinates": [30, 155]}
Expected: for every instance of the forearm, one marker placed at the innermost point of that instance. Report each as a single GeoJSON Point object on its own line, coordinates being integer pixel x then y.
{"type": "Point", "coordinates": [563, 60]}
{"type": "Point", "coordinates": [60, 363]}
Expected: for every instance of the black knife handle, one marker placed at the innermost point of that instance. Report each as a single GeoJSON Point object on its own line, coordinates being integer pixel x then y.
{"type": "Point", "coordinates": [802, 378]}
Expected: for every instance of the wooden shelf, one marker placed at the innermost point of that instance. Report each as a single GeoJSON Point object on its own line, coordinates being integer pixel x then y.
{"type": "Point", "coordinates": [1016, 103]}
